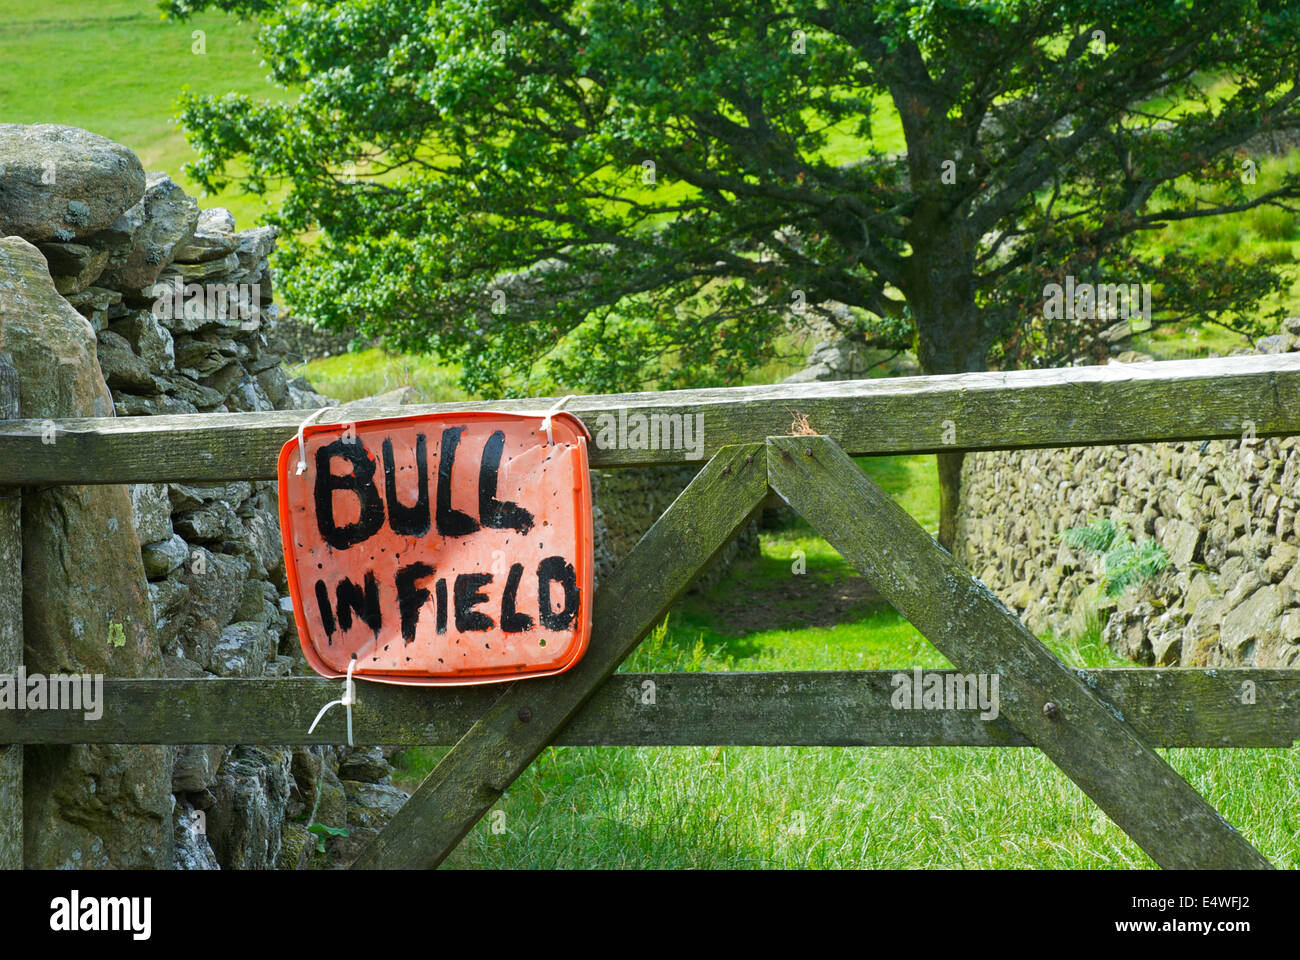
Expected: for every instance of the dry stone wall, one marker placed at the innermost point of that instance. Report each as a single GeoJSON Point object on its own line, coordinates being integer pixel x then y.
{"type": "Point", "coordinates": [1227, 513]}
{"type": "Point", "coordinates": [178, 308]}
{"type": "Point", "coordinates": [76, 621]}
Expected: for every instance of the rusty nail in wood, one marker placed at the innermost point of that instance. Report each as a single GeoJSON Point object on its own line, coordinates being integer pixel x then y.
{"type": "Point", "coordinates": [749, 458]}
{"type": "Point", "coordinates": [726, 470]}
{"type": "Point", "coordinates": [807, 451]}
{"type": "Point", "coordinates": [525, 714]}
{"type": "Point", "coordinates": [1051, 711]}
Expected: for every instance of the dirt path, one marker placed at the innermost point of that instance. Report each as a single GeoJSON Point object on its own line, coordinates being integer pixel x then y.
{"type": "Point", "coordinates": [807, 601]}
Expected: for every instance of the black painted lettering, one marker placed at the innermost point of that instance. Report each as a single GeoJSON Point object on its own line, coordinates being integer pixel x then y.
{"type": "Point", "coordinates": [511, 620]}
{"type": "Point", "coordinates": [409, 521]}
{"type": "Point", "coordinates": [492, 512]}
{"type": "Point", "coordinates": [360, 481]}
{"type": "Point", "coordinates": [451, 522]}
{"type": "Point", "coordinates": [559, 570]}
{"type": "Point", "coordinates": [410, 598]}
{"type": "Point", "coordinates": [366, 605]}
{"type": "Point", "coordinates": [468, 596]}
{"type": "Point", "coordinates": [326, 613]}
{"type": "Point", "coordinates": [440, 589]}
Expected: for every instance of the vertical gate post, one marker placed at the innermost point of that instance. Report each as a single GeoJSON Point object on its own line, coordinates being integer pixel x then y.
{"type": "Point", "coordinates": [11, 635]}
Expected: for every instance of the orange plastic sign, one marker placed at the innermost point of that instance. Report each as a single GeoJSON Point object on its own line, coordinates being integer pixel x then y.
{"type": "Point", "coordinates": [439, 549]}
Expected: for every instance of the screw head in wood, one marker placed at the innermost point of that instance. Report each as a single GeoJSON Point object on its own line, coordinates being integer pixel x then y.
{"type": "Point", "coordinates": [525, 714]}
{"type": "Point", "coordinates": [1051, 711]}
{"type": "Point", "coordinates": [807, 451]}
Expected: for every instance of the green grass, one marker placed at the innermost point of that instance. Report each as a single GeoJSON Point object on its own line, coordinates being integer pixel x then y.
{"type": "Point", "coordinates": [912, 481]}
{"type": "Point", "coordinates": [1263, 233]}
{"type": "Point", "coordinates": [116, 68]}
{"type": "Point", "coordinates": [845, 808]}
{"type": "Point", "coordinates": [834, 807]}
{"type": "Point", "coordinates": [350, 376]}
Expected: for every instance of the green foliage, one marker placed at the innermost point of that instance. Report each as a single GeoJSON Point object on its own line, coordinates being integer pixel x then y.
{"type": "Point", "coordinates": [1129, 564]}
{"type": "Point", "coordinates": [1125, 564]}
{"type": "Point", "coordinates": [322, 832]}
{"type": "Point", "coordinates": [1266, 234]}
{"type": "Point", "coordinates": [470, 177]}
{"type": "Point", "coordinates": [1097, 537]}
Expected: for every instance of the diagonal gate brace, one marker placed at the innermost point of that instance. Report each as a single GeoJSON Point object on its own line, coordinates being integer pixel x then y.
{"type": "Point", "coordinates": [525, 719]}
{"type": "Point", "coordinates": [1087, 738]}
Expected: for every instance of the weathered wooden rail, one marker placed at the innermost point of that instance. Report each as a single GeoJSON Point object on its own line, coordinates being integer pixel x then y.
{"type": "Point", "coordinates": [1081, 406]}
{"type": "Point", "coordinates": [1171, 708]}
{"type": "Point", "coordinates": [1099, 726]}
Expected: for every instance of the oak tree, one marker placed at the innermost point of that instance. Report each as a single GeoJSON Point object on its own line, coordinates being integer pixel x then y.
{"type": "Point", "coordinates": [610, 194]}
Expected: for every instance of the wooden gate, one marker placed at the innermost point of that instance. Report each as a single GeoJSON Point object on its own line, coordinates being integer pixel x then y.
{"type": "Point", "coordinates": [1098, 726]}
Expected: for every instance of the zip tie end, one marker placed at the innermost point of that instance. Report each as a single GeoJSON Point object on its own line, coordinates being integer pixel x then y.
{"type": "Point", "coordinates": [302, 447]}
{"type": "Point", "coordinates": [546, 420]}
{"type": "Point", "coordinates": [346, 701]}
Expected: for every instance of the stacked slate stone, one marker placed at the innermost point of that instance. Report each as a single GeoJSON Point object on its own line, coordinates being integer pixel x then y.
{"type": "Point", "coordinates": [182, 308]}
{"type": "Point", "coordinates": [1226, 512]}
{"type": "Point", "coordinates": [627, 502]}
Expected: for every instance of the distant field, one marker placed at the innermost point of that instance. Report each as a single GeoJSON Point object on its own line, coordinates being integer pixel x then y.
{"type": "Point", "coordinates": [116, 68]}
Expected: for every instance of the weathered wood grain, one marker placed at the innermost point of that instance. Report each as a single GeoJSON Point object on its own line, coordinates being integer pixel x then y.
{"type": "Point", "coordinates": [11, 637]}
{"type": "Point", "coordinates": [1186, 399]}
{"type": "Point", "coordinates": [1170, 708]}
{"type": "Point", "coordinates": [527, 716]}
{"type": "Point", "coordinates": [1086, 737]}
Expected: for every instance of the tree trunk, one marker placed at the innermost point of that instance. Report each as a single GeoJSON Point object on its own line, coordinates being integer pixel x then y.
{"type": "Point", "coordinates": [951, 334]}
{"type": "Point", "coordinates": [949, 497]}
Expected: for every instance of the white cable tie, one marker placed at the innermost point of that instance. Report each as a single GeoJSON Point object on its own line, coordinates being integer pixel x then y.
{"type": "Point", "coordinates": [348, 699]}
{"type": "Point", "coordinates": [302, 453]}
{"type": "Point", "coordinates": [546, 420]}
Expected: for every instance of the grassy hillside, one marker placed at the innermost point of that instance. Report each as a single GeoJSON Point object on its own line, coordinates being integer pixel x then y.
{"type": "Point", "coordinates": [116, 68]}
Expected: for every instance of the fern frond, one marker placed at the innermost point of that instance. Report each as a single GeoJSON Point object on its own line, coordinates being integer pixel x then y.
{"type": "Point", "coordinates": [1125, 563]}
{"type": "Point", "coordinates": [1132, 563]}
{"type": "Point", "coordinates": [1097, 537]}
